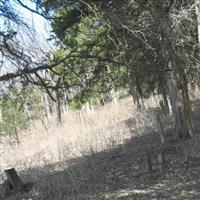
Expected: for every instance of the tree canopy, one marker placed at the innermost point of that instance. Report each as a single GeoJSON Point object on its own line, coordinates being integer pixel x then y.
{"type": "Point", "coordinates": [147, 47]}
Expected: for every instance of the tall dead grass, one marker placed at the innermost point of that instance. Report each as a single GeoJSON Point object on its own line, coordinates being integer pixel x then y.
{"type": "Point", "coordinates": [81, 133]}
{"type": "Point", "coordinates": [46, 151]}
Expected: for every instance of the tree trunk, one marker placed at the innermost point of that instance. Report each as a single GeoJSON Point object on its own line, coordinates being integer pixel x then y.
{"type": "Point", "coordinates": [134, 89]}
{"type": "Point", "coordinates": [1, 117]}
{"type": "Point", "coordinates": [198, 18]}
{"type": "Point", "coordinates": [160, 129]}
{"type": "Point", "coordinates": [164, 97]}
{"type": "Point", "coordinates": [175, 75]}
{"type": "Point", "coordinates": [16, 135]}
{"type": "Point", "coordinates": [65, 101]}
{"type": "Point", "coordinates": [58, 108]}
{"type": "Point", "coordinates": [47, 105]}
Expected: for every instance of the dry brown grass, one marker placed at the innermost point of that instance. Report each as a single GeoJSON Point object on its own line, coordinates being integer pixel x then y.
{"type": "Point", "coordinates": [46, 153]}
{"type": "Point", "coordinates": [82, 132]}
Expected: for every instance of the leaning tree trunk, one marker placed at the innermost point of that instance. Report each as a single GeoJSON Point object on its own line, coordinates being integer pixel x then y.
{"type": "Point", "coordinates": [175, 74]}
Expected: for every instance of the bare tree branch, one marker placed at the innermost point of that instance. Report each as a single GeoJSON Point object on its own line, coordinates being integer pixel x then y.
{"type": "Point", "coordinates": [34, 11]}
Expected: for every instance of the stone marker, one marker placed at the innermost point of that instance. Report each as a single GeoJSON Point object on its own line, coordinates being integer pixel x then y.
{"type": "Point", "coordinates": [149, 164]}
{"type": "Point", "coordinates": [13, 178]}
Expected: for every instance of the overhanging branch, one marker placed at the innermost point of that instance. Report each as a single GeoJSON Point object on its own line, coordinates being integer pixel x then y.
{"type": "Point", "coordinates": [22, 72]}
{"type": "Point", "coordinates": [26, 71]}
{"type": "Point", "coordinates": [33, 11]}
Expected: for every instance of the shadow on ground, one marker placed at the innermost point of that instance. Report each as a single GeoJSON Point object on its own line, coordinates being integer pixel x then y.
{"type": "Point", "coordinates": [120, 173]}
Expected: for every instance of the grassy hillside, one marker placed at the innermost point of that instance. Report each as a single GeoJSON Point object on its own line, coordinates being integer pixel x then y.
{"type": "Point", "coordinates": [101, 154]}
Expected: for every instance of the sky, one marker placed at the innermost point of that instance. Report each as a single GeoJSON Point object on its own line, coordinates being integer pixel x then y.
{"type": "Point", "coordinates": [41, 29]}
{"type": "Point", "coordinates": [40, 24]}
{"type": "Point", "coordinates": [41, 32]}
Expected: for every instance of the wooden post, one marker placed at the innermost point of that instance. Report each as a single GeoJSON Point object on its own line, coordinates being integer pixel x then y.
{"type": "Point", "coordinates": [13, 178]}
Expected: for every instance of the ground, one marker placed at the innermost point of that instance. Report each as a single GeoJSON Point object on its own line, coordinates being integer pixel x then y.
{"type": "Point", "coordinates": [119, 173]}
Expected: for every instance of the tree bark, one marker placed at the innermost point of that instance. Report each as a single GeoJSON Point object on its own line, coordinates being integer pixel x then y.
{"type": "Point", "coordinates": [58, 108]}
{"type": "Point", "coordinates": [47, 105]}
{"type": "Point", "coordinates": [16, 135]}
{"type": "Point", "coordinates": [175, 74]}
{"type": "Point", "coordinates": [1, 117]}
{"type": "Point", "coordinates": [164, 97]}
{"type": "Point", "coordinates": [134, 89]}
{"type": "Point", "coordinates": [160, 129]}
{"type": "Point", "coordinates": [197, 6]}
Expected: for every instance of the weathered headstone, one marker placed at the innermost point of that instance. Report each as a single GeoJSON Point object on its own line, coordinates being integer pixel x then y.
{"type": "Point", "coordinates": [149, 164]}
{"type": "Point", "coordinates": [13, 178]}
{"type": "Point", "coordinates": [161, 161]}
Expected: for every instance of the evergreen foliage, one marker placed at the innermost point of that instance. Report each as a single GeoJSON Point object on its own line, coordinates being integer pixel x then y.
{"type": "Point", "coordinates": [13, 114]}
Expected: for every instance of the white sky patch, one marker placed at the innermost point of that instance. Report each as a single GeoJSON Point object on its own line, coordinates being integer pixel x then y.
{"type": "Point", "coordinates": [34, 40]}
{"type": "Point", "coordinates": [38, 22]}
{"type": "Point", "coordinates": [40, 26]}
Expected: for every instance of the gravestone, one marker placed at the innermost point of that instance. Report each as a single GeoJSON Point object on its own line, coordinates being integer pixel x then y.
{"type": "Point", "coordinates": [149, 164]}
{"type": "Point", "coordinates": [161, 161]}
{"type": "Point", "coordinates": [14, 180]}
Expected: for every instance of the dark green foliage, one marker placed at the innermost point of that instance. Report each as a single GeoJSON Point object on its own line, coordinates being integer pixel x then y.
{"type": "Point", "coordinates": [98, 34]}
{"type": "Point", "coordinates": [18, 106]}
{"type": "Point", "coordinates": [114, 45]}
